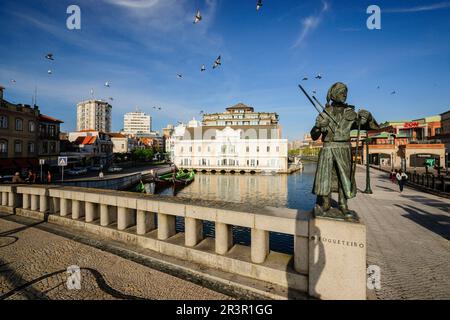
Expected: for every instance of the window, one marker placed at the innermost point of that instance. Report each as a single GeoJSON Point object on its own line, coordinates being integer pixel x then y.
{"type": "Point", "coordinates": [247, 149]}
{"type": "Point", "coordinates": [53, 147]}
{"type": "Point", "coordinates": [278, 149]}
{"type": "Point", "coordinates": [199, 149]}
{"type": "Point", "coordinates": [268, 149]}
{"type": "Point", "coordinates": [51, 130]}
{"type": "Point", "coordinates": [257, 149]}
{"type": "Point", "coordinates": [19, 124]}
{"type": "Point", "coordinates": [31, 126]}
{"type": "Point", "coordinates": [3, 147]}
{"type": "Point", "coordinates": [4, 122]}
{"type": "Point", "coordinates": [45, 147]}
{"type": "Point", "coordinates": [18, 146]}
{"type": "Point", "coordinates": [31, 147]}
{"type": "Point", "coordinates": [224, 149]}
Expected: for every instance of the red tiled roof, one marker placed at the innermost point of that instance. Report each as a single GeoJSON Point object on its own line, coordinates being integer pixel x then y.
{"type": "Point", "coordinates": [43, 117]}
{"type": "Point", "coordinates": [89, 140]}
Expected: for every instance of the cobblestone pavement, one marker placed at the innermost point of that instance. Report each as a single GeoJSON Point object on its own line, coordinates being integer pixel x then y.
{"type": "Point", "coordinates": [408, 237]}
{"type": "Point", "coordinates": [33, 265]}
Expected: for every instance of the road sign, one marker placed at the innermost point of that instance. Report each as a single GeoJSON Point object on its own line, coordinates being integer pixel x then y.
{"type": "Point", "coordinates": [41, 162]}
{"type": "Point", "coordinates": [62, 161]}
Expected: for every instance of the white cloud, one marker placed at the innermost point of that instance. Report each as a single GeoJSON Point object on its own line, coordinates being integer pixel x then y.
{"type": "Point", "coordinates": [431, 7]}
{"type": "Point", "coordinates": [309, 24]}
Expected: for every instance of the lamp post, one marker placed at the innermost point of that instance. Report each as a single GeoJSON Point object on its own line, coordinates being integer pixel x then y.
{"type": "Point", "coordinates": [368, 189]}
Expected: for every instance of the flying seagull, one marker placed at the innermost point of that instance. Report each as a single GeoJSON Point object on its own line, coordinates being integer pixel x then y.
{"type": "Point", "coordinates": [49, 71]}
{"type": "Point", "coordinates": [159, 108]}
{"type": "Point", "coordinates": [217, 63]}
{"type": "Point", "coordinates": [319, 76]}
{"type": "Point", "coordinates": [107, 84]}
{"type": "Point", "coordinates": [111, 98]}
{"type": "Point", "coordinates": [259, 5]}
{"type": "Point", "coordinates": [203, 68]}
{"type": "Point", "coordinates": [393, 92]}
{"type": "Point", "coordinates": [201, 111]}
{"type": "Point", "coordinates": [305, 78]}
{"type": "Point", "coordinates": [13, 81]}
{"type": "Point", "coordinates": [314, 92]}
{"type": "Point", "coordinates": [378, 87]}
{"type": "Point", "coordinates": [198, 17]}
{"type": "Point", "coordinates": [49, 56]}
{"type": "Point", "coordinates": [179, 76]}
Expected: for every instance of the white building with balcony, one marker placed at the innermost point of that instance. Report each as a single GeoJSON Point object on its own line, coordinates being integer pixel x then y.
{"type": "Point", "coordinates": [233, 148]}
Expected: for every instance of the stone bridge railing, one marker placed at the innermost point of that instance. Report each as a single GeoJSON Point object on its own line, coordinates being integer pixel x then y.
{"type": "Point", "coordinates": [328, 260]}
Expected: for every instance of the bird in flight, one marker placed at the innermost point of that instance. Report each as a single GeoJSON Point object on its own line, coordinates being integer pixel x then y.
{"type": "Point", "coordinates": [159, 108]}
{"type": "Point", "coordinates": [49, 71]}
{"type": "Point", "coordinates": [319, 76]}
{"type": "Point", "coordinates": [393, 92]}
{"type": "Point", "coordinates": [107, 84]}
{"type": "Point", "coordinates": [13, 81]}
{"type": "Point", "coordinates": [378, 87]}
{"type": "Point", "coordinates": [111, 98]}
{"type": "Point", "coordinates": [201, 111]}
{"type": "Point", "coordinates": [314, 92]}
{"type": "Point", "coordinates": [198, 17]}
{"type": "Point", "coordinates": [49, 56]}
{"type": "Point", "coordinates": [203, 68]}
{"type": "Point", "coordinates": [217, 63]}
{"type": "Point", "coordinates": [179, 76]}
{"type": "Point", "coordinates": [305, 78]}
{"type": "Point", "coordinates": [259, 5]}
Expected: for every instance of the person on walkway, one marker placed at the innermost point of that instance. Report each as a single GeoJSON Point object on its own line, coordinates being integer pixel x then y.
{"type": "Point", "coordinates": [401, 178]}
{"type": "Point", "coordinates": [49, 177]}
{"type": "Point", "coordinates": [29, 178]}
{"type": "Point", "coordinates": [101, 175]}
{"type": "Point", "coordinates": [393, 175]}
{"type": "Point", "coordinates": [17, 178]}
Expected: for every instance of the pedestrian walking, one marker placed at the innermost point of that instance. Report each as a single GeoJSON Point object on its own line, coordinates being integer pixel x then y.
{"type": "Point", "coordinates": [101, 175]}
{"type": "Point", "coordinates": [49, 177]}
{"type": "Point", "coordinates": [393, 176]}
{"type": "Point", "coordinates": [401, 178]}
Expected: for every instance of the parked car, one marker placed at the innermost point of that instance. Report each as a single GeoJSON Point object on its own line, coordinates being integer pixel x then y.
{"type": "Point", "coordinates": [7, 178]}
{"type": "Point", "coordinates": [96, 168]}
{"type": "Point", "coordinates": [114, 169]}
{"type": "Point", "coordinates": [77, 171]}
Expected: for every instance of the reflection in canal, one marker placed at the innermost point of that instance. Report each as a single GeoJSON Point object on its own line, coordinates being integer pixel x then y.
{"type": "Point", "coordinates": [281, 190]}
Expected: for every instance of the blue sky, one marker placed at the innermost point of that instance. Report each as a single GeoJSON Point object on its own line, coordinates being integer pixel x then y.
{"type": "Point", "coordinates": [139, 46]}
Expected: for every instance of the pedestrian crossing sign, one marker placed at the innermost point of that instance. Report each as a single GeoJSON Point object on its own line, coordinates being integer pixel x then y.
{"type": "Point", "coordinates": [62, 161]}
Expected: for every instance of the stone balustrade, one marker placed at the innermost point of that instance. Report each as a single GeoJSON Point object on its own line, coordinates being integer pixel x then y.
{"type": "Point", "coordinates": [149, 221]}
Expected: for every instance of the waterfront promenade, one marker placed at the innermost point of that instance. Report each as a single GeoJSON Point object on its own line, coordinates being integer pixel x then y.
{"type": "Point", "coordinates": [408, 237]}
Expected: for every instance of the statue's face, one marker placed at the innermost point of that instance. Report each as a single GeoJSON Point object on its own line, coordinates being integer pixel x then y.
{"type": "Point", "coordinates": [341, 96]}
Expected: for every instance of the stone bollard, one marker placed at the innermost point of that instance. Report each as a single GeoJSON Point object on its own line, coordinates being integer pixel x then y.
{"type": "Point", "coordinates": [166, 226]}
{"type": "Point", "coordinates": [43, 203]}
{"type": "Point", "coordinates": [25, 201]}
{"type": "Point", "coordinates": [34, 202]}
{"type": "Point", "coordinates": [90, 214]}
{"type": "Point", "coordinates": [63, 207]}
{"type": "Point", "coordinates": [224, 238]}
{"type": "Point", "coordinates": [259, 245]}
{"type": "Point", "coordinates": [301, 254]}
{"type": "Point", "coordinates": [193, 231]}
{"type": "Point", "coordinates": [76, 210]}
{"type": "Point", "coordinates": [4, 199]}
{"type": "Point", "coordinates": [145, 221]}
{"type": "Point", "coordinates": [125, 218]}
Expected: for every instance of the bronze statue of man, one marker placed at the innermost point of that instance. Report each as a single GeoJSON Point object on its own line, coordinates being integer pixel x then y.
{"type": "Point", "coordinates": [334, 169]}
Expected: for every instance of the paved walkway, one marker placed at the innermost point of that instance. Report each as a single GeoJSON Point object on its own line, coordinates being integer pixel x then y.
{"type": "Point", "coordinates": [33, 265]}
{"type": "Point", "coordinates": [408, 237]}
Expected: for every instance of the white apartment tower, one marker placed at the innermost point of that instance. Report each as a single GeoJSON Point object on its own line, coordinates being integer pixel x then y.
{"type": "Point", "coordinates": [94, 115]}
{"type": "Point", "coordinates": [136, 122]}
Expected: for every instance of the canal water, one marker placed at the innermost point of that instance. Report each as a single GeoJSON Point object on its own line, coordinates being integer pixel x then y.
{"type": "Point", "coordinates": [281, 190]}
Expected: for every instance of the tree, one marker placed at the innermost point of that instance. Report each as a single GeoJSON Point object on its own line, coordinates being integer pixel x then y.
{"type": "Point", "coordinates": [142, 154]}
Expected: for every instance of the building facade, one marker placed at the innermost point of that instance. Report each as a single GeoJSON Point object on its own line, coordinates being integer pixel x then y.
{"type": "Point", "coordinates": [137, 122]}
{"type": "Point", "coordinates": [240, 115]}
{"type": "Point", "coordinates": [231, 147]}
{"type": "Point", "coordinates": [94, 115]}
{"type": "Point", "coordinates": [25, 136]}
{"type": "Point", "coordinates": [94, 147]}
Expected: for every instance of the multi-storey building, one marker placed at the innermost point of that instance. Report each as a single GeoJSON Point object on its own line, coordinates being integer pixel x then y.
{"type": "Point", "coordinates": [94, 115]}
{"type": "Point", "coordinates": [25, 136]}
{"type": "Point", "coordinates": [137, 122]}
{"type": "Point", "coordinates": [236, 146]}
{"type": "Point", "coordinates": [122, 143]}
{"type": "Point", "coordinates": [48, 139]}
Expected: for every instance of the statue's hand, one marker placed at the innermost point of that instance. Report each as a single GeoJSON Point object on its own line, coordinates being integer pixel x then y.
{"type": "Point", "coordinates": [322, 121]}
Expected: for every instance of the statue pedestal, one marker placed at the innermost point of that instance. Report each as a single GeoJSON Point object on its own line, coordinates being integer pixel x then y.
{"type": "Point", "coordinates": [337, 259]}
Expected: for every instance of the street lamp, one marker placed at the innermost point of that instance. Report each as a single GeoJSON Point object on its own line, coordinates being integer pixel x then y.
{"type": "Point", "coordinates": [368, 189]}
